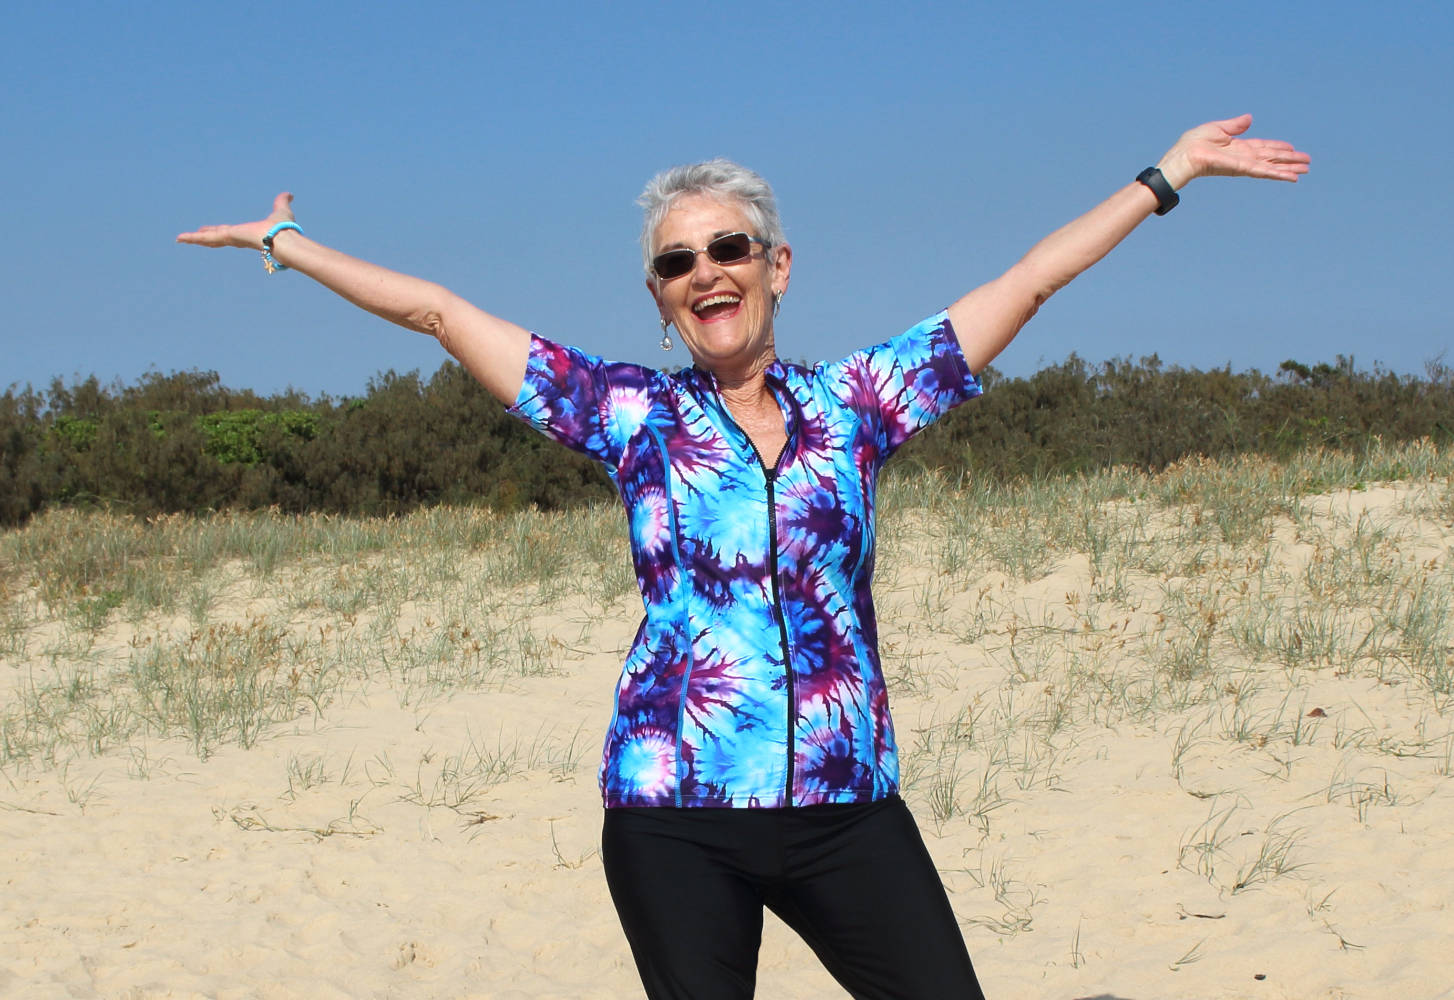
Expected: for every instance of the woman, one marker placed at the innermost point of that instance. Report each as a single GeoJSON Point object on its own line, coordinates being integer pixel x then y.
{"type": "Point", "coordinates": [751, 758]}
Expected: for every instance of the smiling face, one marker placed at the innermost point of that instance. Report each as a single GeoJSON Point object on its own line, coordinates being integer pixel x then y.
{"type": "Point", "coordinates": [722, 311]}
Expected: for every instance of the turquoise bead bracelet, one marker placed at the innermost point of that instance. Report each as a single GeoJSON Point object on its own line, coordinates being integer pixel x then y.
{"type": "Point", "coordinates": [268, 263]}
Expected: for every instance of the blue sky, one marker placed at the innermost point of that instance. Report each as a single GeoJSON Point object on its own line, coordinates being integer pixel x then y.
{"type": "Point", "coordinates": [916, 149]}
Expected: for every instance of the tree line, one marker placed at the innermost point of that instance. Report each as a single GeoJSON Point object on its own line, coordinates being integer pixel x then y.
{"type": "Point", "coordinates": [183, 442]}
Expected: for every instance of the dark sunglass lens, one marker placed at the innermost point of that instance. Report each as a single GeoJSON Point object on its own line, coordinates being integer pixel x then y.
{"type": "Point", "coordinates": [730, 249]}
{"type": "Point", "coordinates": [673, 264]}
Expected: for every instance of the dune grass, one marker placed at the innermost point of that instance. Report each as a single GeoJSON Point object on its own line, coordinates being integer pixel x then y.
{"type": "Point", "coordinates": [1276, 639]}
{"type": "Point", "coordinates": [1255, 618]}
{"type": "Point", "coordinates": [1215, 700]}
{"type": "Point", "coordinates": [214, 628]}
{"type": "Point", "coordinates": [1219, 605]}
{"type": "Point", "coordinates": [1203, 579]}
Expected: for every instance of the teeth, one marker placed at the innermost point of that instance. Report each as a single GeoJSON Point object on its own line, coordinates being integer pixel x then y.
{"type": "Point", "coordinates": [725, 298]}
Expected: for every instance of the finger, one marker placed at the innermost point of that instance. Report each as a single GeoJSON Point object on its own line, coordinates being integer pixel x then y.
{"type": "Point", "coordinates": [1279, 152]}
{"type": "Point", "coordinates": [1267, 149]}
{"type": "Point", "coordinates": [206, 236]}
{"type": "Point", "coordinates": [1278, 171]}
{"type": "Point", "coordinates": [1235, 126]}
{"type": "Point", "coordinates": [1275, 149]}
{"type": "Point", "coordinates": [282, 208]}
{"type": "Point", "coordinates": [1266, 144]}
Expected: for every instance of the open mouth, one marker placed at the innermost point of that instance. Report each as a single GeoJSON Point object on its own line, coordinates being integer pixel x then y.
{"type": "Point", "coordinates": [715, 307]}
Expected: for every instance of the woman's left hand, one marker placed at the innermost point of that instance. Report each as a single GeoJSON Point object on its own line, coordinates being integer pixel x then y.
{"type": "Point", "coordinates": [248, 235]}
{"type": "Point", "coordinates": [1214, 149]}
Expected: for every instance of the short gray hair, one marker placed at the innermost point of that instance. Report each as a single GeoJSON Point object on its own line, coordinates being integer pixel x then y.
{"type": "Point", "coordinates": [720, 179]}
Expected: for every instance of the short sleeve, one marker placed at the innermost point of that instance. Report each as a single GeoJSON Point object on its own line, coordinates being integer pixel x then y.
{"type": "Point", "coordinates": [587, 404]}
{"type": "Point", "coordinates": [905, 384]}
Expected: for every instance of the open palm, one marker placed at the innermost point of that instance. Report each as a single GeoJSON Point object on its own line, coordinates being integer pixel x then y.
{"type": "Point", "coordinates": [242, 234]}
{"type": "Point", "coordinates": [1215, 150]}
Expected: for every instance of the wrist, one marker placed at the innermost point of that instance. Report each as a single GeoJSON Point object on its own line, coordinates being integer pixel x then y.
{"type": "Point", "coordinates": [1177, 171]}
{"type": "Point", "coordinates": [270, 263]}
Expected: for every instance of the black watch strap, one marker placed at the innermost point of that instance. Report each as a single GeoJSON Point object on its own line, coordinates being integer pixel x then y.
{"type": "Point", "coordinates": [1166, 198]}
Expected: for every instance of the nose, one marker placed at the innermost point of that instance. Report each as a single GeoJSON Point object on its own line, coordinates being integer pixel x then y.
{"type": "Point", "coordinates": [704, 268]}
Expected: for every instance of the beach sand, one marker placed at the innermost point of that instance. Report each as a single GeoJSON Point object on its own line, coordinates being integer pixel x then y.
{"type": "Point", "coordinates": [1254, 829]}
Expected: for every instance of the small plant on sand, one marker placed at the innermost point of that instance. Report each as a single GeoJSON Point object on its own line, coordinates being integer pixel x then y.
{"type": "Point", "coordinates": [1205, 844]}
{"type": "Point", "coordinates": [1015, 898]}
{"type": "Point", "coordinates": [1274, 858]}
{"type": "Point", "coordinates": [1192, 954]}
{"type": "Point", "coordinates": [1359, 794]}
{"type": "Point", "coordinates": [305, 773]}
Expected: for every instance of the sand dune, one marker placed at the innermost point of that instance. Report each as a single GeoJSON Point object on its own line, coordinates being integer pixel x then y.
{"type": "Point", "coordinates": [1214, 768]}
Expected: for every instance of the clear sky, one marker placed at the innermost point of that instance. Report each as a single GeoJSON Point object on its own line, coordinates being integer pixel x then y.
{"type": "Point", "coordinates": [916, 148]}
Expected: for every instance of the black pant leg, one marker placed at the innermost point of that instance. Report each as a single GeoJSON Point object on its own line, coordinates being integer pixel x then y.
{"type": "Point", "coordinates": [687, 898]}
{"type": "Point", "coordinates": [865, 895]}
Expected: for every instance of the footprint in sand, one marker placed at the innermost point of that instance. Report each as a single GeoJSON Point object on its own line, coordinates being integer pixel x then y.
{"type": "Point", "coordinates": [412, 952]}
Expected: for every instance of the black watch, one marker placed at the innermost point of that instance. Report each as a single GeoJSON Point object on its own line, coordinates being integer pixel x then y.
{"type": "Point", "coordinates": [1166, 198]}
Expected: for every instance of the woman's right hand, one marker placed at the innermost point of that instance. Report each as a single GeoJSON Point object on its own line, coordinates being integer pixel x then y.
{"type": "Point", "coordinates": [248, 235]}
{"type": "Point", "coordinates": [493, 350]}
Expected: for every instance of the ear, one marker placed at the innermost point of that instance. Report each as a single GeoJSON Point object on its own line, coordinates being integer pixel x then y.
{"type": "Point", "coordinates": [656, 297]}
{"type": "Point", "coordinates": [782, 267]}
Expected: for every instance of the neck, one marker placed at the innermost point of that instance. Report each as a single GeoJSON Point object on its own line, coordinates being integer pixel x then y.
{"type": "Point", "coordinates": [744, 387]}
{"type": "Point", "coordinates": [757, 412]}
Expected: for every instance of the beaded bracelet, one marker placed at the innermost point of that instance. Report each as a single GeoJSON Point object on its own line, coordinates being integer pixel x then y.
{"type": "Point", "coordinates": [269, 264]}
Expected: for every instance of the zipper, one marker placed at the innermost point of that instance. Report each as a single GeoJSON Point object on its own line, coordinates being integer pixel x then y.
{"type": "Point", "coordinates": [770, 478]}
{"type": "Point", "coordinates": [782, 625]}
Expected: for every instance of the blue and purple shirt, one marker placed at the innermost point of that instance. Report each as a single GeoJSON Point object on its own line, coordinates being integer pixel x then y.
{"type": "Point", "coordinates": [754, 678]}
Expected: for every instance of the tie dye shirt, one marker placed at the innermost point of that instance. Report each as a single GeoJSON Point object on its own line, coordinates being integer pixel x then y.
{"type": "Point", "coordinates": [754, 678]}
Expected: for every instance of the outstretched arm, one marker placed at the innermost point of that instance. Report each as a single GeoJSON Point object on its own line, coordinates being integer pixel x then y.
{"type": "Point", "coordinates": [491, 349]}
{"type": "Point", "coordinates": [988, 318]}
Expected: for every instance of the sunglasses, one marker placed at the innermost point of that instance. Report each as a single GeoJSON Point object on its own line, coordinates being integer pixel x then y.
{"type": "Point", "coordinates": [733, 248]}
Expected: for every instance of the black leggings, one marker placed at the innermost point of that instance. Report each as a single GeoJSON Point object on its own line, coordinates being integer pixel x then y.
{"type": "Point", "coordinates": [855, 881]}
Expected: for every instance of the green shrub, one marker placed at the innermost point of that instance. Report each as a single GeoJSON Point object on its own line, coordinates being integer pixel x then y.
{"type": "Point", "coordinates": [183, 442]}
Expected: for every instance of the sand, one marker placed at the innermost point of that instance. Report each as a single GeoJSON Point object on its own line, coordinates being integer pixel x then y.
{"type": "Point", "coordinates": [358, 851]}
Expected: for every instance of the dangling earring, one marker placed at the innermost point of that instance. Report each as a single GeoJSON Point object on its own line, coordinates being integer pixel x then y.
{"type": "Point", "coordinates": [665, 336]}
{"type": "Point", "coordinates": [777, 303]}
